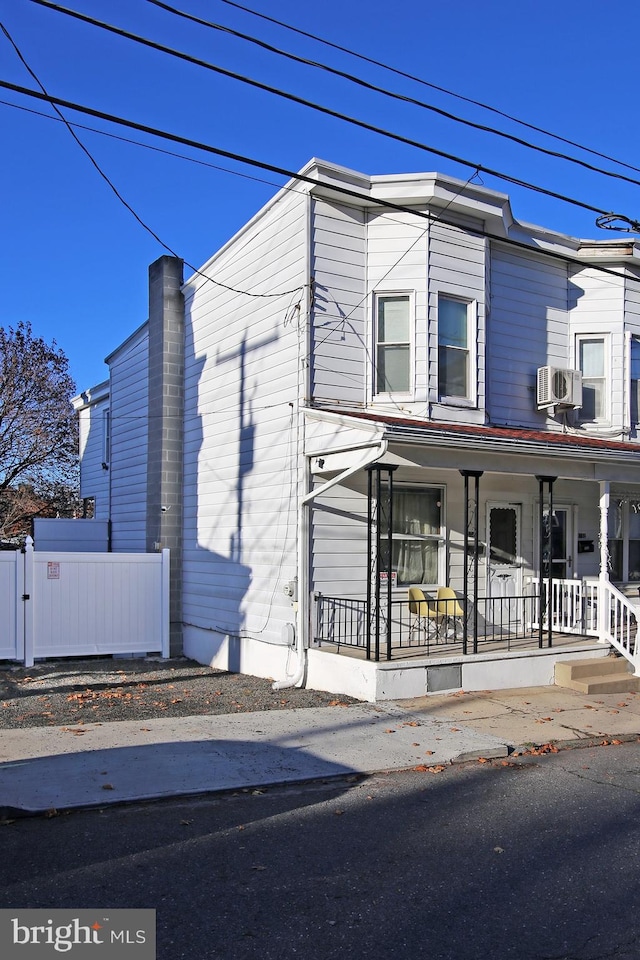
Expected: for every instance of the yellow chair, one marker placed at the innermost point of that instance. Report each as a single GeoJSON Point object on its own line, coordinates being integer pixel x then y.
{"type": "Point", "coordinates": [448, 609]}
{"type": "Point", "coordinates": [423, 613]}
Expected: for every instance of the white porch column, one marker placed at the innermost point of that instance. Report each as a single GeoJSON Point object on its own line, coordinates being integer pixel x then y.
{"type": "Point", "coordinates": [604, 556]}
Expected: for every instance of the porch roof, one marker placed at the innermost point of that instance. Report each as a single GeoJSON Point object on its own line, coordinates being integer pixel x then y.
{"type": "Point", "coordinates": [548, 447]}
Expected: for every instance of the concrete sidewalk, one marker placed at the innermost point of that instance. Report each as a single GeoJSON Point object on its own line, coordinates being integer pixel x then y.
{"type": "Point", "coordinates": [97, 764]}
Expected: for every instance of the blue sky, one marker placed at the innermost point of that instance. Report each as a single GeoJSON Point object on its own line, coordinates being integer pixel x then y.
{"type": "Point", "coordinates": [73, 259]}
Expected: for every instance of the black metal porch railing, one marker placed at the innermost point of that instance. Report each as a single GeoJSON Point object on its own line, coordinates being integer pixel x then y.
{"type": "Point", "coordinates": [499, 623]}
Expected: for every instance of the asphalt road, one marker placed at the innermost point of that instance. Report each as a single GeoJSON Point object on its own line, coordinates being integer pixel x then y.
{"type": "Point", "coordinates": [530, 859]}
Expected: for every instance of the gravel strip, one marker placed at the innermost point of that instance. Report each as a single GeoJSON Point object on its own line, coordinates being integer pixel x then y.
{"type": "Point", "coordinates": [101, 690]}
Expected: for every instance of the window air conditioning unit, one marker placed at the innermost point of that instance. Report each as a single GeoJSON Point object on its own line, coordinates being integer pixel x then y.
{"type": "Point", "coordinates": [558, 387]}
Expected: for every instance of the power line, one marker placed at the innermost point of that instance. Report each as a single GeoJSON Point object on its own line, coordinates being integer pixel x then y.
{"type": "Point", "coordinates": [115, 190]}
{"type": "Point", "coordinates": [427, 83]}
{"type": "Point", "coordinates": [317, 107]}
{"type": "Point", "coordinates": [301, 177]}
{"type": "Point", "coordinates": [359, 81]}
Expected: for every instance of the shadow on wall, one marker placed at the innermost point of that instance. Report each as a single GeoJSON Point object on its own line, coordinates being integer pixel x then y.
{"type": "Point", "coordinates": [219, 457]}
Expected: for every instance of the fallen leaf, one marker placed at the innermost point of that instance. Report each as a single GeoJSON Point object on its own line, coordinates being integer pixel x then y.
{"type": "Point", "coordinates": [186, 823]}
{"type": "Point", "coordinates": [482, 760]}
{"type": "Point", "coordinates": [108, 786]}
{"type": "Point", "coordinates": [455, 729]}
{"type": "Point", "coordinates": [338, 813]}
{"type": "Point", "coordinates": [498, 850]}
{"type": "Point", "coordinates": [617, 742]}
{"type": "Point", "coordinates": [390, 731]}
{"type": "Point", "coordinates": [429, 753]}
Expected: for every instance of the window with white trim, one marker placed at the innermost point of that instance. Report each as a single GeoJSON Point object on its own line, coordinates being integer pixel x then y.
{"type": "Point", "coordinates": [455, 375]}
{"type": "Point", "coordinates": [634, 361]}
{"type": "Point", "coordinates": [418, 535]}
{"type": "Point", "coordinates": [624, 539]}
{"type": "Point", "coordinates": [393, 344]}
{"type": "Point", "coordinates": [592, 357]}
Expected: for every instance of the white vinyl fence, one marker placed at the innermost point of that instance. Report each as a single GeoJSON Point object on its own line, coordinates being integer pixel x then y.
{"type": "Point", "coordinates": [82, 604]}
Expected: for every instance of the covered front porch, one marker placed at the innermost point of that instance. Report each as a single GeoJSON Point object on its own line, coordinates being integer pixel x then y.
{"type": "Point", "coordinates": [470, 545]}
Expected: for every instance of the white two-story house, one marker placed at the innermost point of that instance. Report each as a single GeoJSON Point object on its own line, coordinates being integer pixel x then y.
{"type": "Point", "coordinates": [382, 384]}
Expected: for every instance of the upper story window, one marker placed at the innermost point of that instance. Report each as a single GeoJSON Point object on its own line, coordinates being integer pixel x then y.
{"type": "Point", "coordinates": [635, 380]}
{"type": "Point", "coordinates": [454, 349]}
{"type": "Point", "coordinates": [592, 360]}
{"type": "Point", "coordinates": [393, 343]}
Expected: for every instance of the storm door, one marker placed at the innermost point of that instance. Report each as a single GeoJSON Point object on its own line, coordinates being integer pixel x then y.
{"type": "Point", "coordinates": [504, 563]}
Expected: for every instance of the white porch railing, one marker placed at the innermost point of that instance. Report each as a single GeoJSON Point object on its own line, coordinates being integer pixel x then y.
{"type": "Point", "coordinates": [595, 608]}
{"type": "Point", "coordinates": [618, 623]}
{"type": "Point", "coordinates": [574, 605]}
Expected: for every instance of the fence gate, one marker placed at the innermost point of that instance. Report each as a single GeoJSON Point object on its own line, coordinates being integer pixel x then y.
{"type": "Point", "coordinates": [83, 604]}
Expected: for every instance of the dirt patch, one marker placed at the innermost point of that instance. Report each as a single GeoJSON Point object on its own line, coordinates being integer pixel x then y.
{"type": "Point", "coordinates": [100, 690]}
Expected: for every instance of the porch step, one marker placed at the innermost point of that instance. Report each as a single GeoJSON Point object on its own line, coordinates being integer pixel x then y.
{"type": "Point", "coordinates": [598, 675]}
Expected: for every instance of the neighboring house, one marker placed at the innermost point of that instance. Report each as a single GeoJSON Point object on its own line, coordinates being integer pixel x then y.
{"type": "Point", "coordinates": [94, 415]}
{"type": "Point", "coordinates": [374, 361]}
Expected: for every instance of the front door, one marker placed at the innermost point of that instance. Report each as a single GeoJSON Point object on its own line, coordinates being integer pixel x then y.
{"type": "Point", "coordinates": [504, 564]}
{"type": "Point", "coordinates": [561, 544]}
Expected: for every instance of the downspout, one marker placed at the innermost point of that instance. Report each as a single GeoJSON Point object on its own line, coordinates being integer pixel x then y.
{"type": "Point", "coordinates": [303, 479]}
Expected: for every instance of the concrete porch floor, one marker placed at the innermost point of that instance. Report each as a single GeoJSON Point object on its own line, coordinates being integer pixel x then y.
{"type": "Point", "coordinates": [450, 647]}
{"type": "Point", "coordinates": [414, 672]}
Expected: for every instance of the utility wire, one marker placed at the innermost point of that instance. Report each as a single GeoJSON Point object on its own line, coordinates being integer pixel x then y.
{"type": "Point", "coordinates": [115, 190]}
{"type": "Point", "coordinates": [333, 188]}
{"type": "Point", "coordinates": [316, 106]}
{"type": "Point", "coordinates": [147, 146]}
{"type": "Point", "coordinates": [359, 81]}
{"type": "Point", "coordinates": [426, 83]}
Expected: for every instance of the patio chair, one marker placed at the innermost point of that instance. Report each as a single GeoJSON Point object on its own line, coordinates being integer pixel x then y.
{"type": "Point", "coordinates": [449, 609]}
{"type": "Point", "coordinates": [423, 613]}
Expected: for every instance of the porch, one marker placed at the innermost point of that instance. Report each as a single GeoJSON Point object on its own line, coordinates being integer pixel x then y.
{"type": "Point", "coordinates": [423, 625]}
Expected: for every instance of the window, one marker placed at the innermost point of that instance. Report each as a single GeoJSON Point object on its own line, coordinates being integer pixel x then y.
{"type": "Point", "coordinates": [393, 344]}
{"type": "Point", "coordinates": [418, 538]}
{"type": "Point", "coordinates": [624, 539]}
{"type": "Point", "coordinates": [635, 380]}
{"type": "Point", "coordinates": [592, 361]}
{"type": "Point", "coordinates": [454, 358]}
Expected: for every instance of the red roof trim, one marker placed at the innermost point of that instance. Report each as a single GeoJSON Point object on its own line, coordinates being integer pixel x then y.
{"type": "Point", "coordinates": [492, 433]}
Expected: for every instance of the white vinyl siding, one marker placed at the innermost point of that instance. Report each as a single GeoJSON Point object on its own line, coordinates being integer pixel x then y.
{"type": "Point", "coordinates": [634, 380]}
{"type": "Point", "coordinates": [528, 306]}
{"type": "Point", "coordinates": [128, 426]}
{"type": "Point", "coordinates": [397, 266]}
{"type": "Point", "coordinates": [340, 309]}
{"type": "Point", "coordinates": [598, 313]}
{"type": "Point", "coordinates": [94, 479]}
{"type": "Point", "coordinates": [457, 271]}
{"type": "Point", "coordinates": [242, 369]}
